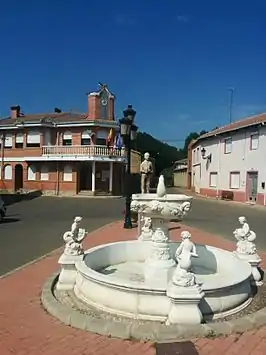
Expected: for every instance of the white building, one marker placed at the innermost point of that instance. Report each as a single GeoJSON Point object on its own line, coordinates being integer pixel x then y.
{"type": "Point", "coordinates": [230, 162]}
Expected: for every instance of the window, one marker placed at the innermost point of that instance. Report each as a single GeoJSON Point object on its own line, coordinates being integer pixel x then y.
{"type": "Point", "coordinates": [228, 145]}
{"type": "Point", "coordinates": [8, 140]}
{"type": "Point", "coordinates": [101, 137]}
{"type": "Point", "coordinates": [33, 139]}
{"type": "Point", "coordinates": [31, 173]}
{"type": "Point", "coordinates": [234, 180]}
{"type": "Point", "coordinates": [44, 176]}
{"type": "Point", "coordinates": [254, 141]}
{"type": "Point", "coordinates": [86, 137]}
{"type": "Point", "coordinates": [19, 140]}
{"type": "Point", "coordinates": [197, 156]}
{"type": "Point", "coordinates": [67, 138]}
{"type": "Point", "coordinates": [194, 156]}
{"type": "Point", "coordinates": [8, 172]}
{"type": "Point", "coordinates": [67, 176]}
{"type": "Point", "coordinates": [213, 179]}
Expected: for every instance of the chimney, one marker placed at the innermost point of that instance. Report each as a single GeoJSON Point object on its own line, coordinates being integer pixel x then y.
{"type": "Point", "coordinates": [15, 111]}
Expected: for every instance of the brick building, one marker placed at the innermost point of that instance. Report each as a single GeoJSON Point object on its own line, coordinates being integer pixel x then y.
{"type": "Point", "coordinates": [64, 152]}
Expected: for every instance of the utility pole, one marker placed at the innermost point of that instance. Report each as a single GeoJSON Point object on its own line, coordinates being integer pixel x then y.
{"type": "Point", "coordinates": [231, 96]}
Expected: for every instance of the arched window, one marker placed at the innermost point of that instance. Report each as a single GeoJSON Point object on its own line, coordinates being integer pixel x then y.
{"type": "Point", "coordinates": [44, 175]}
{"type": "Point", "coordinates": [8, 172]}
{"type": "Point", "coordinates": [86, 137]}
{"type": "Point", "coordinates": [31, 172]}
{"type": "Point", "coordinates": [67, 138]}
{"type": "Point", "coordinates": [67, 176]}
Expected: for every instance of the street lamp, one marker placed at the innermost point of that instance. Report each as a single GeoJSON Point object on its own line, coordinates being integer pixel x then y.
{"type": "Point", "coordinates": [128, 131]}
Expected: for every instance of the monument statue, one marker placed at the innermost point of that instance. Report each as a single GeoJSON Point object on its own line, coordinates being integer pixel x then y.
{"type": "Point", "coordinates": [146, 170]}
{"type": "Point", "coordinates": [183, 276]}
{"type": "Point", "coordinates": [245, 238]}
{"type": "Point", "coordinates": [74, 238]}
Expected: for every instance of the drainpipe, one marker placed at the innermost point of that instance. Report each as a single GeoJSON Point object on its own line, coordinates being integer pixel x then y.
{"type": "Point", "coordinates": [219, 168]}
{"type": "Point", "coordinates": [57, 168]}
{"type": "Point", "coordinates": [2, 138]}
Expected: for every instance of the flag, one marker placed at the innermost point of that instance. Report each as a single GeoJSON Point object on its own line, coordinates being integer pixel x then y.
{"type": "Point", "coordinates": [110, 137]}
{"type": "Point", "coordinates": [118, 141]}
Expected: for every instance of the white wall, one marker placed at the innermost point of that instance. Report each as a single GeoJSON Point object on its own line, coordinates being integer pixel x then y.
{"type": "Point", "coordinates": [240, 159]}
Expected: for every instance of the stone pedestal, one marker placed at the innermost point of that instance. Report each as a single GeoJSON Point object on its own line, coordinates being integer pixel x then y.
{"type": "Point", "coordinates": [254, 260]}
{"type": "Point", "coordinates": [160, 264]}
{"type": "Point", "coordinates": [67, 277]}
{"type": "Point", "coordinates": [184, 304]}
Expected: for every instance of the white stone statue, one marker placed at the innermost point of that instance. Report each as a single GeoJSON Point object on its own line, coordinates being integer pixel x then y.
{"type": "Point", "coordinates": [74, 238]}
{"type": "Point", "coordinates": [146, 170]}
{"type": "Point", "coordinates": [146, 229]}
{"type": "Point", "coordinates": [245, 238]}
{"type": "Point", "coordinates": [183, 276]}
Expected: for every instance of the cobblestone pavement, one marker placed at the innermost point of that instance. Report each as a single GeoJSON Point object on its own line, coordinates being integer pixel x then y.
{"type": "Point", "coordinates": [26, 329]}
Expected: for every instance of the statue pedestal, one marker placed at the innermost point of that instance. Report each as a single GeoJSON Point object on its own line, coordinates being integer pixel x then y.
{"type": "Point", "coordinates": [184, 304]}
{"type": "Point", "coordinates": [67, 277]}
{"type": "Point", "coordinates": [160, 264]}
{"type": "Point", "coordinates": [254, 260]}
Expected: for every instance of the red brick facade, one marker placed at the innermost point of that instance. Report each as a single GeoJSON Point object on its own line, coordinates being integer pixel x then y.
{"type": "Point", "coordinates": [62, 167]}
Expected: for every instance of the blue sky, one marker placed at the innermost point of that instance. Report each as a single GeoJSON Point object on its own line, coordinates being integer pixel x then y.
{"type": "Point", "coordinates": [172, 60]}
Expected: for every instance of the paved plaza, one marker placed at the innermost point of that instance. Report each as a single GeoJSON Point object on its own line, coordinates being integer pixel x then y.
{"type": "Point", "coordinates": [26, 328]}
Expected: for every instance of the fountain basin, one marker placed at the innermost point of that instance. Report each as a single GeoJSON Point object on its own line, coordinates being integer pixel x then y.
{"type": "Point", "coordinates": [111, 278]}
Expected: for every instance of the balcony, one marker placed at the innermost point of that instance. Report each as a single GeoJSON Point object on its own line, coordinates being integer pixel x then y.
{"type": "Point", "coordinates": [82, 151]}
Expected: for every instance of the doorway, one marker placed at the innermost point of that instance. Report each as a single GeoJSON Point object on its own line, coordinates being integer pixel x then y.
{"type": "Point", "coordinates": [196, 178]}
{"type": "Point", "coordinates": [18, 177]}
{"type": "Point", "coordinates": [85, 176]}
{"type": "Point", "coordinates": [252, 186]}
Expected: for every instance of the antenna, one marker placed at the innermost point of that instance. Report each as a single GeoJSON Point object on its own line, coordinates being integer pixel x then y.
{"type": "Point", "coordinates": [231, 96]}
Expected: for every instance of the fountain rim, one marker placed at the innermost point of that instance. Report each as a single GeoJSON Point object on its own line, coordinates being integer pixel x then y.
{"type": "Point", "coordinates": [165, 198]}
{"type": "Point", "coordinates": [115, 282]}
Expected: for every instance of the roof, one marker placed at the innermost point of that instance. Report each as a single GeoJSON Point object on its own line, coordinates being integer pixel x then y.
{"type": "Point", "coordinates": [243, 123]}
{"type": "Point", "coordinates": [181, 161]}
{"type": "Point", "coordinates": [54, 118]}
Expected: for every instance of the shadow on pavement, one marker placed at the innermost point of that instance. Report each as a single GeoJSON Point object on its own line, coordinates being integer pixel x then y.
{"type": "Point", "coordinates": [10, 220]}
{"type": "Point", "coordinates": [10, 199]}
{"type": "Point", "coordinates": [178, 348]}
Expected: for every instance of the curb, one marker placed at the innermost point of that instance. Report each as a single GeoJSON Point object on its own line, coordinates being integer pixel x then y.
{"type": "Point", "coordinates": [129, 329]}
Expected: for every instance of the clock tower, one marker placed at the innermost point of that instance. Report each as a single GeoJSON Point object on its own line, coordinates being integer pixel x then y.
{"type": "Point", "coordinates": [101, 104]}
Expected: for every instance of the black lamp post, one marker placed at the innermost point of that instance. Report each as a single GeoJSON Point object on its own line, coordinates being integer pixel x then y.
{"type": "Point", "coordinates": [128, 132]}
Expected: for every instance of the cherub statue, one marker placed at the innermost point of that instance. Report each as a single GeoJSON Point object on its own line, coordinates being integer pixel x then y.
{"type": "Point", "coordinates": [245, 238]}
{"type": "Point", "coordinates": [146, 170]}
{"type": "Point", "coordinates": [146, 230]}
{"type": "Point", "coordinates": [74, 238]}
{"type": "Point", "coordinates": [182, 275]}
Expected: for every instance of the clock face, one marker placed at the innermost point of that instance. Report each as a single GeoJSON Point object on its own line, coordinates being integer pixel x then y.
{"type": "Point", "coordinates": [104, 102]}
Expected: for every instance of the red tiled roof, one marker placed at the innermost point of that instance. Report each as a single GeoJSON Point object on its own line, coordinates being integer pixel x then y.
{"type": "Point", "coordinates": [62, 117]}
{"type": "Point", "coordinates": [246, 122]}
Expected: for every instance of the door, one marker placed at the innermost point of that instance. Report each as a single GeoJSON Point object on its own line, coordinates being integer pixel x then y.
{"type": "Point", "coordinates": [18, 177]}
{"type": "Point", "coordinates": [196, 178]}
{"type": "Point", "coordinates": [252, 186]}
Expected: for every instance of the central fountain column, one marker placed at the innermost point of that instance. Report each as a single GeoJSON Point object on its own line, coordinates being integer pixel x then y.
{"type": "Point", "coordinates": [160, 264]}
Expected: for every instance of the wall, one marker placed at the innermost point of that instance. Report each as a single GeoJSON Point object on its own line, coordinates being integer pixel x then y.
{"type": "Point", "coordinates": [241, 159]}
{"type": "Point", "coordinates": [180, 178]}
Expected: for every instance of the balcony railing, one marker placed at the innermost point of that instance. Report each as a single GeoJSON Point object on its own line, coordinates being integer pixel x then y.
{"type": "Point", "coordinates": [81, 150]}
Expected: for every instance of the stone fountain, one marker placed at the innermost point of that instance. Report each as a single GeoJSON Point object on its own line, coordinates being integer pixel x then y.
{"type": "Point", "coordinates": [157, 210]}
{"type": "Point", "coordinates": [157, 279]}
